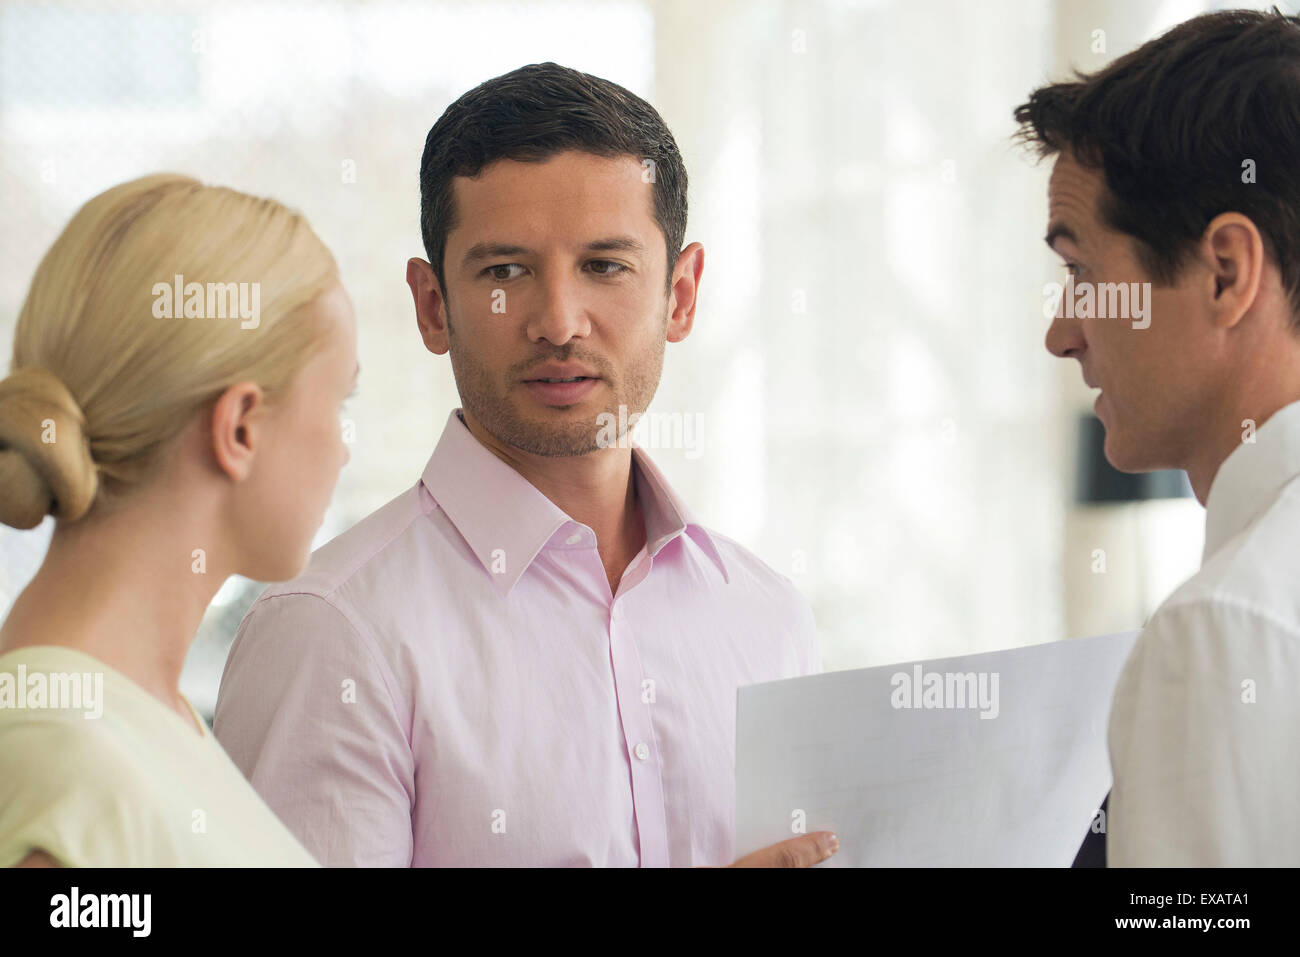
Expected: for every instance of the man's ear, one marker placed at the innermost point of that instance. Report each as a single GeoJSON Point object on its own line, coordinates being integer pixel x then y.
{"type": "Point", "coordinates": [236, 419]}
{"type": "Point", "coordinates": [1234, 251]}
{"type": "Point", "coordinates": [430, 305]}
{"type": "Point", "coordinates": [683, 295]}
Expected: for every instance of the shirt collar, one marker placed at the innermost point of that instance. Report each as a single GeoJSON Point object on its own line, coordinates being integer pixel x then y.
{"type": "Point", "coordinates": [1251, 477]}
{"type": "Point", "coordinates": [507, 522]}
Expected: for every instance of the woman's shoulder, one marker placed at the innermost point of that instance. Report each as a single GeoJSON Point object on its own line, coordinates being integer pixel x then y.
{"type": "Point", "coordinates": [55, 748]}
{"type": "Point", "coordinates": [65, 783]}
{"type": "Point", "coordinates": [55, 730]}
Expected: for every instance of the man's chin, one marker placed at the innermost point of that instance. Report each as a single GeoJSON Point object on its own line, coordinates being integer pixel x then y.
{"type": "Point", "coordinates": [551, 431]}
{"type": "Point", "coordinates": [1124, 455]}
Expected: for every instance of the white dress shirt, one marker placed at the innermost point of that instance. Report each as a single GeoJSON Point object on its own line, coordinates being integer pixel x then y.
{"type": "Point", "coordinates": [1205, 723]}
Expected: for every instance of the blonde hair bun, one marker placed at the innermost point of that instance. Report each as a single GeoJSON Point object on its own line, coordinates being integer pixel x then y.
{"type": "Point", "coordinates": [45, 462]}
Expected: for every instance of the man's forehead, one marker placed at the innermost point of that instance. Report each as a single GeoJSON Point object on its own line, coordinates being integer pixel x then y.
{"type": "Point", "coordinates": [566, 177]}
{"type": "Point", "coordinates": [1072, 193]}
{"type": "Point", "coordinates": [571, 192]}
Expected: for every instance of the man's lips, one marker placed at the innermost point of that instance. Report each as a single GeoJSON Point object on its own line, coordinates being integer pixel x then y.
{"type": "Point", "coordinates": [561, 393]}
{"type": "Point", "coordinates": [1096, 403]}
{"type": "Point", "coordinates": [582, 378]}
{"type": "Point", "coordinates": [560, 370]}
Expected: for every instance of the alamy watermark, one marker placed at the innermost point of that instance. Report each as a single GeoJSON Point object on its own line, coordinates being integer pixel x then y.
{"type": "Point", "coordinates": [55, 690]}
{"type": "Point", "coordinates": [651, 430]}
{"type": "Point", "coordinates": [1105, 300]}
{"type": "Point", "coordinates": [129, 911]}
{"type": "Point", "coordinates": [945, 689]}
{"type": "Point", "coordinates": [214, 300]}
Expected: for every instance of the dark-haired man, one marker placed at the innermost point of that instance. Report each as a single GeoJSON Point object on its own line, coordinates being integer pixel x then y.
{"type": "Point", "coordinates": [532, 656]}
{"type": "Point", "coordinates": [1175, 166]}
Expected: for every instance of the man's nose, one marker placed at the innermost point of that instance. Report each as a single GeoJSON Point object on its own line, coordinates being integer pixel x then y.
{"type": "Point", "coordinates": [1065, 336]}
{"type": "Point", "coordinates": [561, 312]}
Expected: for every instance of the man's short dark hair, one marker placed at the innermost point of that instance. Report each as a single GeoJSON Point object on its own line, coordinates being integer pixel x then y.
{"type": "Point", "coordinates": [1171, 127]}
{"type": "Point", "coordinates": [531, 114]}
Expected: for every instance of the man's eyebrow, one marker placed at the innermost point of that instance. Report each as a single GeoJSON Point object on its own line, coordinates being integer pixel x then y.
{"type": "Point", "coordinates": [481, 251]}
{"type": "Point", "coordinates": [612, 244]}
{"type": "Point", "coordinates": [1059, 231]}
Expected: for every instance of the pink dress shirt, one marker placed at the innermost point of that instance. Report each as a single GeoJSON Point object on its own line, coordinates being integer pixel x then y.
{"type": "Point", "coordinates": [451, 683]}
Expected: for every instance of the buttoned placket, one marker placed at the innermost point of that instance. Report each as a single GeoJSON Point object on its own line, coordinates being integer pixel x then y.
{"type": "Point", "coordinates": [638, 729]}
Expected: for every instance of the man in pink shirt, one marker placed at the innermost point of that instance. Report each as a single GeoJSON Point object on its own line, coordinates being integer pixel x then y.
{"type": "Point", "coordinates": [531, 657]}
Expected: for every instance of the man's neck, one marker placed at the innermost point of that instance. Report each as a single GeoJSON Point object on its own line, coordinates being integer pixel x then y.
{"type": "Point", "coordinates": [597, 490]}
{"type": "Point", "coordinates": [1229, 431]}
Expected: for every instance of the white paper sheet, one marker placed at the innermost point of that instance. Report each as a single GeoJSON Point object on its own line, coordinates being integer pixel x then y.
{"type": "Point", "coordinates": [933, 786]}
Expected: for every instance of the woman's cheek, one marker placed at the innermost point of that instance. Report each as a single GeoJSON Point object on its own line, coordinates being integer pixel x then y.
{"type": "Point", "coordinates": [332, 450]}
{"type": "Point", "coordinates": [341, 430]}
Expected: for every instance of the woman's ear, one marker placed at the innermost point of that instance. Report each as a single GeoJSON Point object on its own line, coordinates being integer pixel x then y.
{"type": "Point", "coordinates": [237, 419]}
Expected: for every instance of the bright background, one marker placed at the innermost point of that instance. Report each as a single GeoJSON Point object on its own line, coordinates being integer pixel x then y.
{"type": "Point", "coordinates": [881, 420]}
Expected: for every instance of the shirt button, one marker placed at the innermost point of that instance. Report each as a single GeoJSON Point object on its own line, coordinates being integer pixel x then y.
{"type": "Point", "coordinates": [573, 539]}
{"type": "Point", "coordinates": [642, 750]}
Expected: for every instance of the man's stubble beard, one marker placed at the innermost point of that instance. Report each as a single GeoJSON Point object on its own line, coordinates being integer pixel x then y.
{"type": "Point", "coordinates": [565, 435]}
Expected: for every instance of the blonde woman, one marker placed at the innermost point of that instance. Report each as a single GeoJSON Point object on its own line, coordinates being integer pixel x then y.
{"type": "Point", "coordinates": [178, 371]}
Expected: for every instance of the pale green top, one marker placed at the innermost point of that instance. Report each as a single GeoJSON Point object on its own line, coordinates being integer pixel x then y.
{"type": "Point", "coordinates": [137, 786]}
